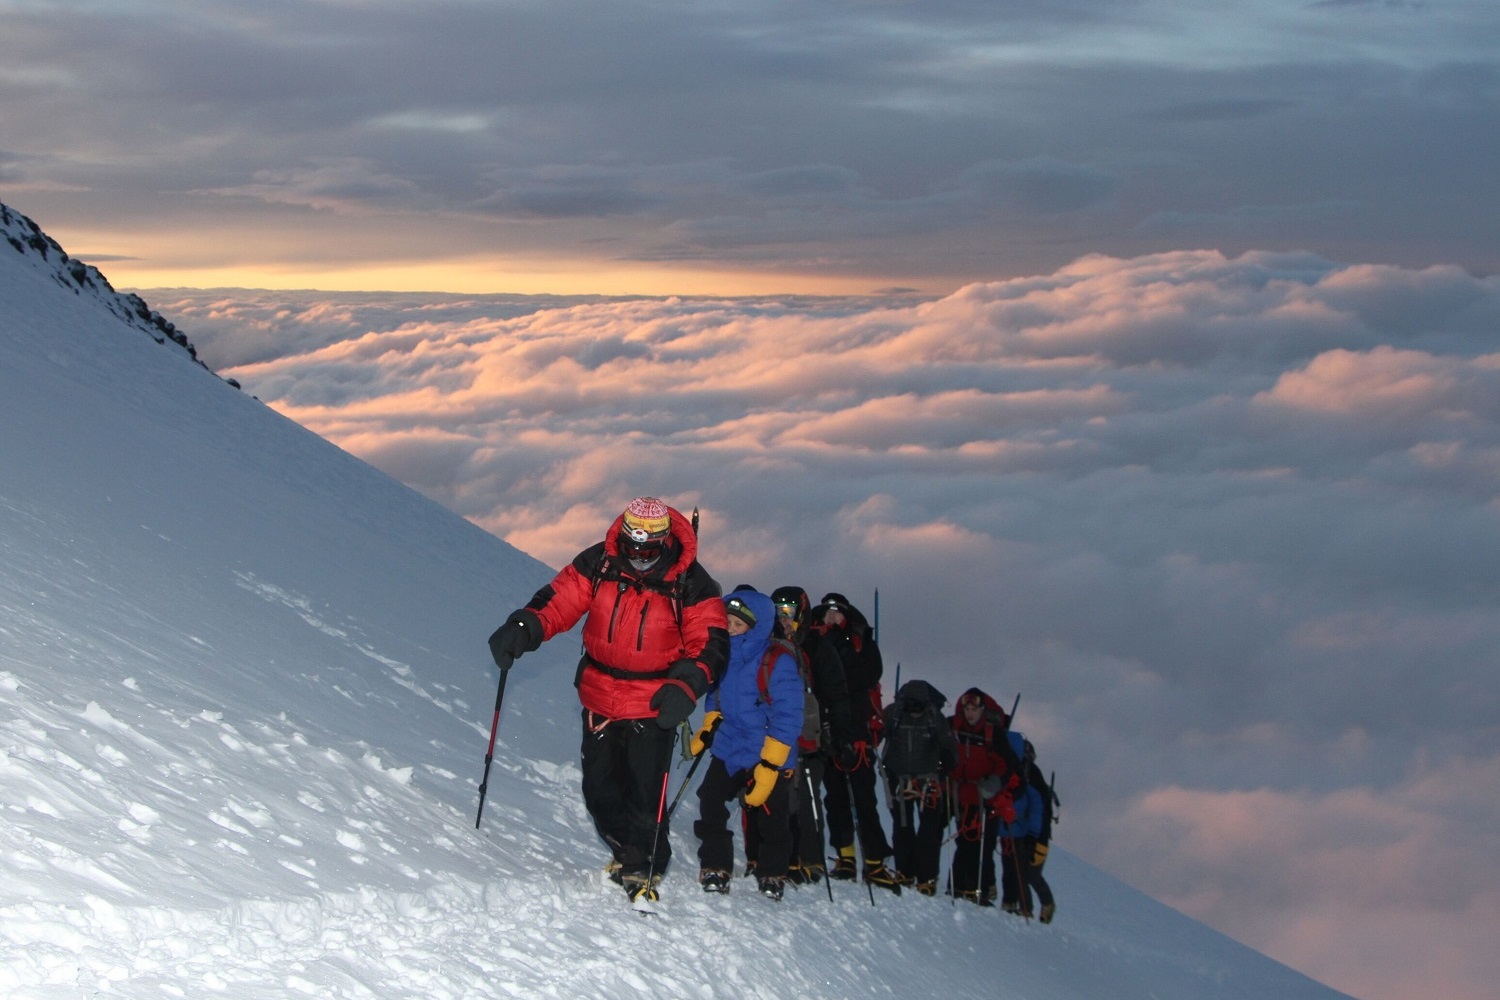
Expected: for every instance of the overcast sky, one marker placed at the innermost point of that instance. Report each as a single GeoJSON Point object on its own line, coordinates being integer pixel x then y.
{"type": "Point", "coordinates": [1231, 527]}
{"type": "Point", "coordinates": [747, 146]}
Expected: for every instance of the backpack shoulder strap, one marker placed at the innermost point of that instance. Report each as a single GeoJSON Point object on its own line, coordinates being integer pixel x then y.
{"type": "Point", "coordinates": [774, 649]}
{"type": "Point", "coordinates": [674, 590]}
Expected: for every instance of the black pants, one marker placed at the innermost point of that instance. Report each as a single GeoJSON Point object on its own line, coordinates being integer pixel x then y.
{"type": "Point", "coordinates": [974, 851]}
{"type": "Point", "coordinates": [1020, 878]}
{"type": "Point", "coordinates": [772, 838]}
{"type": "Point", "coordinates": [806, 805]}
{"type": "Point", "coordinates": [917, 825]}
{"type": "Point", "coordinates": [623, 767]}
{"type": "Point", "coordinates": [850, 796]}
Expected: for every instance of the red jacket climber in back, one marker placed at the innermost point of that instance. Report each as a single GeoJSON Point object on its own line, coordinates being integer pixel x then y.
{"type": "Point", "coordinates": [982, 778]}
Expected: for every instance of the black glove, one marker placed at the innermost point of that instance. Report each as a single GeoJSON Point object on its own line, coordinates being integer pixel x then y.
{"type": "Point", "coordinates": [521, 633]}
{"type": "Point", "coordinates": [675, 700]}
{"type": "Point", "coordinates": [673, 705]}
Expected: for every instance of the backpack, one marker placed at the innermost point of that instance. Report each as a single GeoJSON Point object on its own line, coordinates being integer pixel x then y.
{"type": "Point", "coordinates": [912, 746]}
{"type": "Point", "coordinates": [812, 717]}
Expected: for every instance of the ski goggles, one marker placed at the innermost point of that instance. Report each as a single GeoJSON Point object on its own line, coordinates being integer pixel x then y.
{"type": "Point", "coordinates": [642, 549]}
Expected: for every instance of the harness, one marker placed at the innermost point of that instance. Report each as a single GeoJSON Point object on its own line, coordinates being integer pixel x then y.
{"type": "Point", "coordinates": [924, 789]}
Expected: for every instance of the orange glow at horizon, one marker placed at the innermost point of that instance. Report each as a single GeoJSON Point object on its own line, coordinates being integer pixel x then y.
{"type": "Point", "coordinates": [499, 276]}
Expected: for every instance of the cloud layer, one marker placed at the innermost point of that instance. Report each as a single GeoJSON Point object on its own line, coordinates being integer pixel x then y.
{"type": "Point", "coordinates": [1229, 524]}
{"type": "Point", "coordinates": [506, 146]}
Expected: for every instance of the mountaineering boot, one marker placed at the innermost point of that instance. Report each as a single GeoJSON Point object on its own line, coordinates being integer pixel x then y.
{"type": "Point", "coordinates": [714, 880]}
{"type": "Point", "coordinates": [749, 868]}
{"type": "Point", "coordinates": [843, 865]}
{"type": "Point", "coordinates": [814, 873]}
{"type": "Point", "coordinates": [928, 888]}
{"type": "Point", "coordinates": [1047, 911]}
{"type": "Point", "coordinates": [639, 888]}
{"type": "Point", "coordinates": [770, 885]}
{"type": "Point", "coordinates": [613, 870]}
{"type": "Point", "coordinates": [877, 874]}
{"type": "Point", "coordinates": [796, 873]}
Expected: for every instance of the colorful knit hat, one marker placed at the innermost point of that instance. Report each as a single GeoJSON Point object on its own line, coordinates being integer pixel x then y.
{"type": "Point", "coordinates": [647, 519]}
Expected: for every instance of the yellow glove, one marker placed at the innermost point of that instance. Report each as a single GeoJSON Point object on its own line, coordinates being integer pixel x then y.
{"type": "Point", "coordinates": [704, 737]}
{"type": "Point", "coordinates": [773, 755]}
{"type": "Point", "coordinates": [1039, 856]}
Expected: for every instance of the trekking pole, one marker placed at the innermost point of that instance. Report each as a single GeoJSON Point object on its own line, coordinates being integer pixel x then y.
{"type": "Point", "coordinates": [956, 817]}
{"type": "Point", "coordinates": [489, 755]}
{"type": "Point", "coordinates": [661, 811]}
{"type": "Point", "coordinates": [948, 811]}
{"type": "Point", "coordinates": [854, 815]}
{"type": "Point", "coordinates": [812, 797]}
{"type": "Point", "coordinates": [685, 782]}
{"type": "Point", "coordinates": [984, 836]}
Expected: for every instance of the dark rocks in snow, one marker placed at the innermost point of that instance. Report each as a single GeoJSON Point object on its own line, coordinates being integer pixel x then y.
{"type": "Point", "coordinates": [26, 237]}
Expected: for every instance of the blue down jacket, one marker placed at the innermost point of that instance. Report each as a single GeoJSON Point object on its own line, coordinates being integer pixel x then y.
{"type": "Point", "coordinates": [748, 720]}
{"type": "Point", "coordinates": [1028, 801]}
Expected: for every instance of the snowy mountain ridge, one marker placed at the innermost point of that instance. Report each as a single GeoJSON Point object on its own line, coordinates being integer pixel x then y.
{"type": "Point", "coordinates": [43, 252]}
{"type": "Point", "coordinates": [244, 703]}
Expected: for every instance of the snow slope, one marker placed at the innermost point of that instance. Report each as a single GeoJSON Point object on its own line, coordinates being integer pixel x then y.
{"type": "Point", "coordinates": [244, 703]}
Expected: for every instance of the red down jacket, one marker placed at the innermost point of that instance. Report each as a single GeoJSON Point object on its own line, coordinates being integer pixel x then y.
{"type": "Point", "coordinates": [638, 623]}
{"type": "Point", "coordinates": [979, 754]}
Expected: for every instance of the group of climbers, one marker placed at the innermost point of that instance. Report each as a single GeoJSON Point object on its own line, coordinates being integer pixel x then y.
{"type": "Point", "coordinates": [793, 728]}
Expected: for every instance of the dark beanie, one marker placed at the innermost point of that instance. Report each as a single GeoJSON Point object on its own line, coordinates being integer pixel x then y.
{"type": "Point", "coordinates": [734, 606]}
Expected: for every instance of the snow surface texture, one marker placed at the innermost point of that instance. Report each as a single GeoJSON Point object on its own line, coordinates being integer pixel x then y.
{"type": "Point", "coordinates": [244, 704]}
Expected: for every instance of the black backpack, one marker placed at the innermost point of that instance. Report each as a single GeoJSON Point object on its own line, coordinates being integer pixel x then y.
{"type": "Point", "coordinates": [913, 742]}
